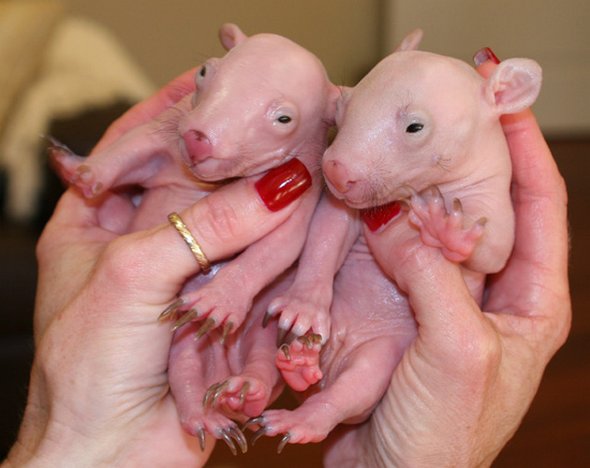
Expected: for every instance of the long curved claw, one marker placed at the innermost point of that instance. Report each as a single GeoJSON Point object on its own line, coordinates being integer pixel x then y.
{"type": "Point", "coordinates": [186, 318]}
{"type": "Point", "coordinates": [209, 395]}
{"type": "Point", "coordinates": [239, 437]}
{"type": "Point", "coordinates": [201, 437]}
{"type": "Point", "coordinates": [218, 392]}
{"type": "Point", "coordinates": [290, 337]}
{"type": "Point", "coordinates": [284, 441]}
{"type": "Point", "coordinates": [281, 334]}
{"type": "Point", "coordinates": [207, 326]}
{"type": "Point", "coordinates": [310, 340]}
{"type": "Point", "coordinates": [258, 420]}
{"type": "Point", "coordinates": [244, 391]}
{"type": "Point", "coordinates": [171, 310]}
{"type": "Point", "coordinates": [213, 393]}
{"type": "Point", "coordinates": [316, 338]}
{"type": "Point", "coordinates": [266, 319]}
{"type": "Point", "coordinates": [228, 441]}
{"type": "Point", "coordinates": [285, 350]}
{"type": "Point", "coordinates": [227, 328]}
{"type": "Point", "coordinates": [257, 435]}
{"type": "Point", "coordinates": [53, 142]}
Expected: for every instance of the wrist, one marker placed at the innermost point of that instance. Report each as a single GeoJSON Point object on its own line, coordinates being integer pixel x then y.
{"type": "Point", "coordinates": [57, 445]}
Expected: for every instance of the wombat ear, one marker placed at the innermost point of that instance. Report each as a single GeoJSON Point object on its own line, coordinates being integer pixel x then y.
{"type": "Point", "coordinates": [335, 102]}
{"type": "Point", "coordinates": [411, 41]}
{"type": "Point", "coordinates": [231, 35]}
{"type": "Point", "coordinates": [341, 97]}
{"type": "Point", "coordinates": [514, 85]}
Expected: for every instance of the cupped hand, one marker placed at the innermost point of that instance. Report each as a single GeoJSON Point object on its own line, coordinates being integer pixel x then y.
{"type": "Point", "coordinates": [99, 390]}
{"type": "Point", "coordinates": [464, 385]}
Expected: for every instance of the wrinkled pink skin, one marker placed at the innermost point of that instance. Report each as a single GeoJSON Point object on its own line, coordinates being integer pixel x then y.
{"type": "Point", "coordinates": [373, 161]}
{"type": "Point", "coordinates": [371, 325]}
{"type": "Point", "coordinates": [233, 126]}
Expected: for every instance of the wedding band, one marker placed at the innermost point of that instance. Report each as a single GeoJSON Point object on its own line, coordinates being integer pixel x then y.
{"type": "Point", "coordinates": [190, 240]}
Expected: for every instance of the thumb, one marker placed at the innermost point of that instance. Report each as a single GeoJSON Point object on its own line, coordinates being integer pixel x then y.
{"type": "Point", "coordinates": [444, 309]}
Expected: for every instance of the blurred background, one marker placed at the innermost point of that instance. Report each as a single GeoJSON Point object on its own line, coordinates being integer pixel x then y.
{"type": "Point", "coordinates": [70, 67]}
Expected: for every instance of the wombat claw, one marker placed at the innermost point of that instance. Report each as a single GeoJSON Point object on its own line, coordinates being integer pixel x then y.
{"type": "Point", "coordinates": [281, 334]}
{"type": "Point", "coordinates": [186, 318]}
{"type": "Point", "coordinates": [257, 435]}
{"type": "Point", "coordinates": [201, 436]}
{"type": "Point", "coordinates": [54, 146]}
{"type": "Point", "coordinates": [284, 441]}
{"type": "Point", "coordinates": [310, 340]}
{"type": "Point", "coordinates": [231, 434]}
{"type": "Point", "coordinates": [227, 329]}
{"type": "Point", "coordinates": [243, 392]}
{"type": "Point", "coordinates": [266, 319]}
{"type": "Point", "coordinates": [259, 420]}
{"type": "Point", "coordinates": [213, 392]}
{"type": "Point", "coordinates": [170, 311]}
{"type": "Point", "coordinates": [208, 325]}
{"type": "Point", "coordinates": [285, 350]}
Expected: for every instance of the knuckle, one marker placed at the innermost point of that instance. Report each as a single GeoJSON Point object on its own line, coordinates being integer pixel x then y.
{"type": "Point", "coordinates": [221, 221]}
{"type": "Point", "coordinates": [477, 357]}
{"type": "Point", "coordinates": [122, 261]}
{"type": "Point", "coordinates": [480, 357]}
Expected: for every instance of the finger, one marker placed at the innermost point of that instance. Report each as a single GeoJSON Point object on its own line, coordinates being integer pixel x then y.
{"type": "Point", "coordinates": [540, 203]}
{"type": "Point", "coordinates": [223, 223]}
{"type": "Point", "coordinates": [76, 217]}
{"type": "Point", "coordinates": [443, 306]}
{"type": "Point", "coordinates": [166, 97]}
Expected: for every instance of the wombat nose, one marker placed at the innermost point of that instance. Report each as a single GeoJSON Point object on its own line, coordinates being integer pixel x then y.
{"type": "Point", "coordinates": [338, 175]}
{"type": "Point", "coordinates": [197, 145]}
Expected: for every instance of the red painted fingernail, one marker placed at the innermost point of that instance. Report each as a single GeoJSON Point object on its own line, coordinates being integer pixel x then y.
{"type": "Point", "coordinates": [378, 216]}
{"type": "Point", "coordinates": [483, 55]}
{"type": "Point", "coordinates": [284, 184]}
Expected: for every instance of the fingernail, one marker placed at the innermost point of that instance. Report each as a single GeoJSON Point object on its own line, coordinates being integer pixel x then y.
{"type": "Point", "coordinates": [483, 55]}
{"type": "Point", "coordinates": [378, 216]}
{"type": "Point", "coordinates": [284, 184]}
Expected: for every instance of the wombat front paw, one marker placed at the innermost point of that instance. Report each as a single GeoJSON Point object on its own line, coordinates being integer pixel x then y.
{"type": "Point", "coordinates": [444, 228]}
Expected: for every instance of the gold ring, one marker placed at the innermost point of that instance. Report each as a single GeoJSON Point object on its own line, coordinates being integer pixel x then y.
{"type": "Point", "coordinates": [190, 240]}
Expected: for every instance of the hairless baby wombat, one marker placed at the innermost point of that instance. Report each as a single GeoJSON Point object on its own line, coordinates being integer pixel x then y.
{"type": "Point", "coordinates": [422, 128]}
{"type": "Point", "coordinates": [266, 102]}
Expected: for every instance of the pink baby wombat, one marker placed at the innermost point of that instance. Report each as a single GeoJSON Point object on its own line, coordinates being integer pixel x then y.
{"type": "Point", "coordinates": [423, 128]}
{"type": "Point", "coordinates": [266, 102]}
{"type": "Point", "coordinates": [423, 121]}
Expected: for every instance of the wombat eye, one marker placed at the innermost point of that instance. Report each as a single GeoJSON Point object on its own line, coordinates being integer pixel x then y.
{"type": "Point", "coordinates": [414, 127]}
{"type": "Point", "coordinates": [284, 119]}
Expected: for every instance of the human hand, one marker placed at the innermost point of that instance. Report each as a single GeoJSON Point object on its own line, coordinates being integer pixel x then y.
{"type": "Point", "coordinates": [464, 385]}
{"type": "Point", "coordinates": [99, 387]}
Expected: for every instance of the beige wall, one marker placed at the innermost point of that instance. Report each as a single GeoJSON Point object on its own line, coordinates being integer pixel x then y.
{"type": "Point", "coordinates": [555, 33]}
{"type": "Point", "coordinates": [168, 37]}
{"type": "Point", "coordinates": [349, 36]}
